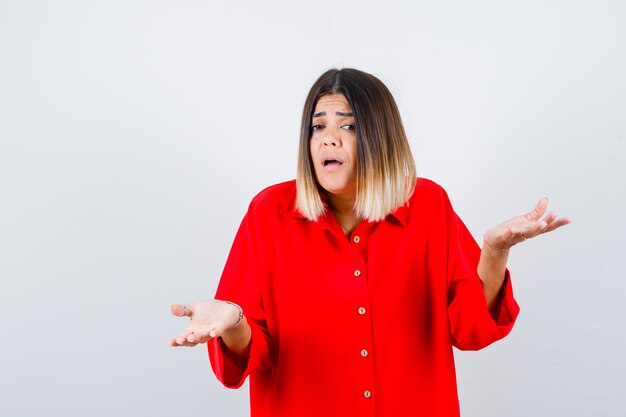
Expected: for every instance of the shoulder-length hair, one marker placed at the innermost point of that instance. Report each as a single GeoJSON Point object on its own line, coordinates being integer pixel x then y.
{"type": "Point", "coordinates": [386, 172]}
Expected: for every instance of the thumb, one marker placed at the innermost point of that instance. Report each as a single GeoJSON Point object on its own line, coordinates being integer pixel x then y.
{"type": "Point", "coordinates": [181, 310]}
{"type": "Point", "coordinates": [539, 210]}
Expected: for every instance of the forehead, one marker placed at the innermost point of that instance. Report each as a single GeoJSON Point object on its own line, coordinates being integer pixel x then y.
{"type": "Point", "coordinates": [335, 102]}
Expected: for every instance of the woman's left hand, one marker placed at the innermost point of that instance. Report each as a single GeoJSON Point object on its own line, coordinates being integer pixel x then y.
{"type": "Point", "coordinates": [524, 227]}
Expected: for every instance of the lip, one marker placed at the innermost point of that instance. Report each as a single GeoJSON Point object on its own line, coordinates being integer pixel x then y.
{"type": "Point", "coordinates": [331, 158]}
{"type": "Point", "coordinates": [331, 167]}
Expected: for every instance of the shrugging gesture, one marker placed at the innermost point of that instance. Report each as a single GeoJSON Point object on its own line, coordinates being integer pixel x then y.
{"type": "Point", "coordinates": [524, 227]}
{"type": "Point", "coordinates": [499, 239]}
{"type": "Point", "coordinates": [351, 241]}
{"type": "Point", "coordinates": [212, 318]}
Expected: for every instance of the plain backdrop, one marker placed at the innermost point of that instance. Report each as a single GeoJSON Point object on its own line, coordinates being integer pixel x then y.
{"type": "Point", "coordinates": [133, 134]}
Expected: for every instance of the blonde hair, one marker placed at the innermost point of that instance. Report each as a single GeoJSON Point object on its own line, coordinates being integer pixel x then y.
{"type": "Point", "coordinates": [386, 172]}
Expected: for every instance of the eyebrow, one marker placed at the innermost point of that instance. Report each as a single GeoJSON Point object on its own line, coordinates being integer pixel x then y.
{"type": "Point", "coordinates": [338, 113]}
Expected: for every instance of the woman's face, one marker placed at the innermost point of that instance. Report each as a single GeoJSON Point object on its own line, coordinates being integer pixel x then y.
{"type": "Point", "coordinates": [333, 145]}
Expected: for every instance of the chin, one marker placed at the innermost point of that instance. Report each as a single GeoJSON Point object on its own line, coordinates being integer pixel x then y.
{"type": "Point", "coordinates": [335, 188]}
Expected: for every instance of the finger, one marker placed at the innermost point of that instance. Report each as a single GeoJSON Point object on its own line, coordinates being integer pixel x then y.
{"type": "Point", "coordinates": [174, 343]}
{"type": "Point", "coordinates": [549, 220]}
{"type": "Point", "coordinates": [556, 224]}
{"type": "Point", "coordinates": [182, 338]}
{"type": "Point", "coordinates": [529, 231]}
{"type": "Point", "coordinates": [185, 343]}
{"type": "Point", "coordinates": [550, 217]}
{"type": "Point", "coordinates": [533, 231]}
{"type": "Point", "coordinates": [538, 211]}
{"type": "Point", "coordinates": [200, 334]}
{"type": "Point", "coordinates": [181, 310]}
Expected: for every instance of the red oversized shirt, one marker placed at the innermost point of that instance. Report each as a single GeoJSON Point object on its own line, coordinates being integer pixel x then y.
{"type": "Point", "coordinates": [358, 326]}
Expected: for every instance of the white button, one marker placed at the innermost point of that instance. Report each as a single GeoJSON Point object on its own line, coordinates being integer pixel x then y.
{"type": "Point", "coordinates": [361, 310]}
{"type": "Point", "coordinates": [357, 273]}
{"type": "Point", "coordinates": [364, 353]}
{"type": "Point", "coordinates": [367, 393]}
{"type": "Point", "coordinates": [356, 239]}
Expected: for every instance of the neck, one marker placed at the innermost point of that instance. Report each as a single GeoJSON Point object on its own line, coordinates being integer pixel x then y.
{"type": "Point", "coordinates": [342, 205]}
{"type": "Point", "coordinates": [343, 208]}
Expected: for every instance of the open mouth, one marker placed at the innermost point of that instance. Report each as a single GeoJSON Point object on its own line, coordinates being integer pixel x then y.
{"type": "Point", "coordinates": [332, 162]}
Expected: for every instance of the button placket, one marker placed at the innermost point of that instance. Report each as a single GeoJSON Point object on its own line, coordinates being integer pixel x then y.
{"type": "Point", "coordinates": [364, 340]}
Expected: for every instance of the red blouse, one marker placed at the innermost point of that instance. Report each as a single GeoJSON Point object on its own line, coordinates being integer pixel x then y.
{"type": "Point", "coordinates": [358, 326]}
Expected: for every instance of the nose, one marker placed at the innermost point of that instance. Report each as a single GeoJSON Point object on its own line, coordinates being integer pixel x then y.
{"type": "Point", "coordinates": [331, 138]}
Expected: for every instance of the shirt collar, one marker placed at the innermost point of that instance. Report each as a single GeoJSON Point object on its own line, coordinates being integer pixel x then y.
{"type": "Point", "coordinates": [401, 214]}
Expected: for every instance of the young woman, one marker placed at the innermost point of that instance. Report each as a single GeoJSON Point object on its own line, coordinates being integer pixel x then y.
{"type": "Point", "coordinates": [346, 289]}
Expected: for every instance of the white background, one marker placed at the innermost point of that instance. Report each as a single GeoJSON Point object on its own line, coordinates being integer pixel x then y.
{"type": "Point", "coordinates": [134, 133]}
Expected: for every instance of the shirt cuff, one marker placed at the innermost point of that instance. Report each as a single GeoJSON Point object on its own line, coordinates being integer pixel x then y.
{"type": "Point", "coordinates": [228, 369]}
{"type": "Point", "coordinates": [493, 324]}
{"type": "Point", "coordinates": [504, 312]}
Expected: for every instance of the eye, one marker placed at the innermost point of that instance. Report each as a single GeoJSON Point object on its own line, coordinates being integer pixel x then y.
{"type": "Point", "coordinates": [315, 128]}
{"type": "Point", "coordinates": [349, 127]}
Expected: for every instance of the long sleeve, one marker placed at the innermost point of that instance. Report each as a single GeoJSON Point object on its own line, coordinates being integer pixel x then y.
{"type": "Point", "coordinates": [246, 267]}
{"type": "Point", "coordinates": [472, 325]}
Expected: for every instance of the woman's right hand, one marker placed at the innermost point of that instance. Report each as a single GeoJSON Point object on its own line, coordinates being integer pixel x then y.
{"type": "Point", "coordinates": [207, 319]}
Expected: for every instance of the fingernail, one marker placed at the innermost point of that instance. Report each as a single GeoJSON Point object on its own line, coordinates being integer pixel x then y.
{"type": "Point", "coordinates": [212, 333]}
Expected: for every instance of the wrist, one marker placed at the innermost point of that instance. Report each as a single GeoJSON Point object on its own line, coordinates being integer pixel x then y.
{"type": "Point", "coordinates": [239, 312]}
{"type": "Point", "coordinates": [238, 339]}
{"type": "Point", "coordinates": [494, 247]}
